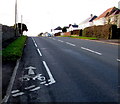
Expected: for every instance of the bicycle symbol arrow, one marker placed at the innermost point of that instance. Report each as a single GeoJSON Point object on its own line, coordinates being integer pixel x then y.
{"type": "Point", "coordinates": [30, 70]}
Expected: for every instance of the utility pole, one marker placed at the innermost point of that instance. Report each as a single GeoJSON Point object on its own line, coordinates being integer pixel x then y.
{"type": "Point", "coordinates": [16, 26]}
{"type": "Point", "coordinates": [21, 24]}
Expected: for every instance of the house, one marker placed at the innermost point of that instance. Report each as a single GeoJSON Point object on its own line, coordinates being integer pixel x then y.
{"type": "Point", "coordinates": [72, 27]}
{"type": "Point", "coordinates": [110, 16]}
{"type": "Point", "coordinates": [88, 22]}
{"type": "Point", "coordinates": [57, 30]}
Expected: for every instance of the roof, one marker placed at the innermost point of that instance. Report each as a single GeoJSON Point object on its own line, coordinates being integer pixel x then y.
{"type": "Point", "coordinates": [90, 19]}
{"type": "Point", "coordinates": [75, 26]}
{"type": "Point", "coordinates": [109, 12]}
{"type": "Point", "coordinates": [58, 28]}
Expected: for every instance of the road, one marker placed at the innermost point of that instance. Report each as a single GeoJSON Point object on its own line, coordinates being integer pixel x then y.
{"type": "Point", "coordinates": [62, 69]}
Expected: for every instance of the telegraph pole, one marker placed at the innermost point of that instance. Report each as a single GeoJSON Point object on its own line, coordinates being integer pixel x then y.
{"type": "Point", "coordinates": [21, 23]}
{"type": "Point", "coordinates": [16, 27]}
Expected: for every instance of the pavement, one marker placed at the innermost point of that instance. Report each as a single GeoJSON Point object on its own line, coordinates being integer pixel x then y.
{"type": "Point", "coordinates": [68, 81]}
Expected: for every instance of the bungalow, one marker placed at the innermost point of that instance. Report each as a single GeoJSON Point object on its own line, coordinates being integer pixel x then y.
{"type": "Point", "coordinates": [110, 16]}
{"type": "Point", "coordinates": [88, 22]}
{"type": "Point", "coordinates": [72, 27]}
{"type": "Point", "coordinates": [57, 30]}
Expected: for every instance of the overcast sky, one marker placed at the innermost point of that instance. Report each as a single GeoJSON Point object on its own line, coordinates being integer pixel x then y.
{"type": "Point", "coordinates": [44, 15]}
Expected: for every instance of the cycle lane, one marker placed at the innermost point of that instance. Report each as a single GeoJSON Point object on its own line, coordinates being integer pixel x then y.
{"type": "Point", "coordinates": [32, 79]}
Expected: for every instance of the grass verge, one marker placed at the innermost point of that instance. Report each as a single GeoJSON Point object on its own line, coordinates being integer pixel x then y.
{"type": "Point", "coordinates": [81, 37]}
{"type": "Point", "coordinates": [14, 50]}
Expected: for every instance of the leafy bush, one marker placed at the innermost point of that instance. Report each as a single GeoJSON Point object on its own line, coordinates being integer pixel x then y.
{"type": "Point", "coordinates": [103, 31]}
{"type": "Point", "coordinates": [14, 51]}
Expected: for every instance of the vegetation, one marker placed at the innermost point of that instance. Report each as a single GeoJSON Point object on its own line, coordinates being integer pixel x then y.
{"type": "Point", "coordinates": [21, 27]}
{"type": "Point", "coordinates": [14, 51]}
{"type": "Point", "coordinates": [108, 31]}
{"type": "Point", "coordinates": [81, 37]}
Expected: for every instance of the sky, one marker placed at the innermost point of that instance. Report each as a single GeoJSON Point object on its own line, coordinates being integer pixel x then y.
{"type": "Point", "coordinates": [44, 15]}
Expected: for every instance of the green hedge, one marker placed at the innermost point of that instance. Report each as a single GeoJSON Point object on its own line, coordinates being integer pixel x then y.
{"type": "Point", "coordinates": [14, 51]}
{"type": "Point", "coordinates": [103, 31]}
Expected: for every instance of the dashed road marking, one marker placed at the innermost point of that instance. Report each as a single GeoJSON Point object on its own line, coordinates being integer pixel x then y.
{"type": "Point", "coordinates": [37, 88]}
{"type": "Point", "coordinates": [70, 44]}
{"type": "Point", "coordinates": [18, 94]}
{"type": "Point", "coordinates": [15, 91]}
{"type": "Point", "coordinates": [36, 45]}
{"type": "Point", "coordinates": [39, 52]}
{"type": "Point", "coordinates": [91, 51]}
{"type": "Point", "coordinates": [60, 41]}
{"type": "Point", "coordinates": [118, 60]}
{"type": "Point", "coordinates": [51, 80]}
{"type": "Point", "coordinates": [53, 38]}
{"type": "Point", "coordinates": [32, 86]}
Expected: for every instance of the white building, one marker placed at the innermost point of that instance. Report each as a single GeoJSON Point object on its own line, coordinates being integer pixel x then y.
{"type": "Point", "coordinates": [88, 22]}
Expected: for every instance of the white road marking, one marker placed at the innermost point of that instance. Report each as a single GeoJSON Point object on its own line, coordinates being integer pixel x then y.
{"type": "Point", "coordinates": [18, 94]}
{"type": "Point", "coordinates": [36, 45]}
{"type": "Point", "coordinates": [33, 40]}
{"type": "Point", "coordinates": [43, 82]}
{"type": "Point", "coordinates": [118, 60]}
{"type": "Point", "coordinates": [39, 52]}
{"type": "Point", "coordinates": [52, 80]}
{"type": "Point", "coordinates": [30, 71]}
{"type": "Point", "coordinates": [29, 87]}
{"type": "Point", "coordinates": [15, 91]}
{"type": "Point", "coordinates": [91, 51]}
{"type": "Point", "coordinates": [53, 38]}
{"type": "Point", "coordinates": [70, 44]}
{"type": "Point", "coordinates": [37, 88]}
{"type": "Point", "coordinates": [10, 86]}
{"type": "Point", "coordinates": [60, 40]}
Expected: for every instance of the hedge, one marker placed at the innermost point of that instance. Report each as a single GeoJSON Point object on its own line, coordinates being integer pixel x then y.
{"type": "Point", "coordinates": [103, 31]}
{"type": "Point", "coordinates": [14, 51]}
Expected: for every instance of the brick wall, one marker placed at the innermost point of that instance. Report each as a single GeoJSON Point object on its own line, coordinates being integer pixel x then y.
{"type": "Point", "coordinates": [67, 33]}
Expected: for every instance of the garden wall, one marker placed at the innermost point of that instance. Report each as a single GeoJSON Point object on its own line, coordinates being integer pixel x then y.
{"type": "Point", "coordinates": [7, 33]}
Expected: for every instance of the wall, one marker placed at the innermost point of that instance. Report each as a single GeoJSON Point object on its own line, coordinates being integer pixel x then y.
{"type": "Point", "coordinates": [67, 33]}
{"type": "Point", "coordinates": [7, 33]}
{"type": "Point", "coordinates": [0, 35]}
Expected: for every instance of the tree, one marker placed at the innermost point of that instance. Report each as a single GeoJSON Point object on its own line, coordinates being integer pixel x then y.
{"type": "Point", "coordinates": [64, 29]}
{"type": "Point", "coordinates": [21, 27]}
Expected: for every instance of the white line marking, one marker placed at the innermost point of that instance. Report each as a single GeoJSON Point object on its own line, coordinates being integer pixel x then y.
{"type": "Point", "coordinates": [33, 40]}
{"type": "Point", "coordinates": [70, 44]}
{"type": "Point", "coordinates": [53, 38]}
{"type": "Point", "coordinates": [37, 88]}
{"type": "Point", "coordinates": [36, 45]}
{"type": "Point", "coordinates": [30, 71]}
{"type": "Point", "coordinates": [118, 60]}
{"type": "Point", "coordinates": [91, 51]}
{"type": "Point", "coordinates": [15, 91]}
{"type": "Point", "coordinates": [29, 87]}
{"type": "Point", "coordinates": [60, 40]}
{"type": "Point", "coordinates": [9, 89]}
{"type": "Point", "coordinates": [39, 52]}
{"type": "Point", "coordinates": [18, 94]}
{"type": "Point", "coordinates": [52, 80]}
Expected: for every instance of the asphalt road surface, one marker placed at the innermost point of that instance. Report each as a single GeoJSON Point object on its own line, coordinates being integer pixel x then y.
{"type": "Point", "coordinates": [61, 69]}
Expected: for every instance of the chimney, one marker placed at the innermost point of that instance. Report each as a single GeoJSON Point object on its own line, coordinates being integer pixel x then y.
{"type": "Point", "coordinates": [91, 15]}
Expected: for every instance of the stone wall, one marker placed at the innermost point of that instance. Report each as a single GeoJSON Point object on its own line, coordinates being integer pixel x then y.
{"type": "Point", "coordinates": [7, 33]}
